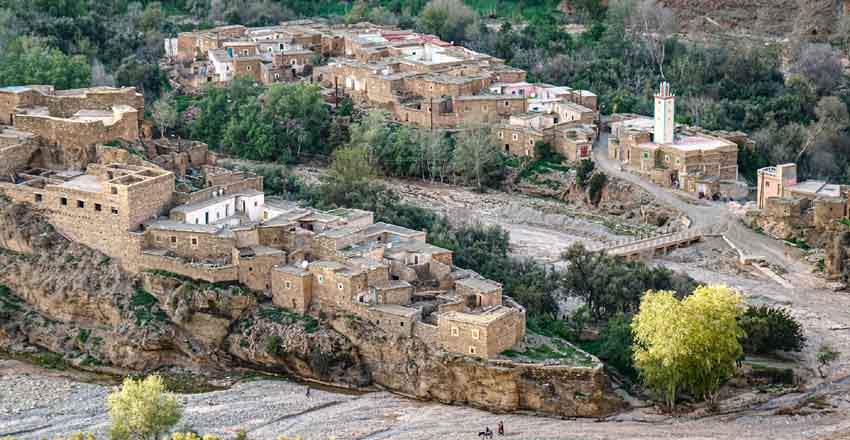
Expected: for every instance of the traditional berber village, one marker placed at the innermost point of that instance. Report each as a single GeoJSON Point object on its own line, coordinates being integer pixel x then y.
{"type": "Point", "coordinates": [424, 219]}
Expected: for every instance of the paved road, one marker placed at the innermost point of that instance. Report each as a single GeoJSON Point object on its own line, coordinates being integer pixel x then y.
{"type": "Point", "coordinates": [707, 215]}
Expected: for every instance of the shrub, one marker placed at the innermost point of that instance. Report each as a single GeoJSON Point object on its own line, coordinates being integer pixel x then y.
{"type": "Point", "coordinates": [770, 328]}
{"type": "Point", "coordinates": [616, 342]}
{"type": "Point", "coordinates": [583, 172]}
{"type": "Point", "coordinates": [826, 355]}
{"type": "Point", "coordinates": [142, 409]}
{"type": "Point", "coordinates": [594, 190]}
{"type": "Point", "coordinates": [273, 345]}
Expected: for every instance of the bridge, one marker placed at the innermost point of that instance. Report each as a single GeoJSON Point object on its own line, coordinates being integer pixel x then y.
{"type": "Point", "coordinates": [656, 245]}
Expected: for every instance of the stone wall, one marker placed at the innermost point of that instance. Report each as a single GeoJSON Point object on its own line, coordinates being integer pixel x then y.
{"type": "Point", "coordinates": [189, 244]}
{"type": "Point", "coordinates": [16, 157]}
{"type": "Point", "coordinates": [255, 272]}
{"type": "Point", "coordinates": [212, 274]}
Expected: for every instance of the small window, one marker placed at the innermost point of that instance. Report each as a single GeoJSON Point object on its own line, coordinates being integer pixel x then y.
{"type": "Point", "coordinates": [475, 333]}
{"type": "Point", "coordinates": [255, 203]}
{"type": "Point", "coordinates": [173, 239]}
{"type": "Point", "coordinates": [249, 68]}
{"type": "Point", "coordinates": [501, 135]}
{"type": "Point", "coordinates": [402, 323]}
{"type": "Point", "coordinates": [646, 155]}
{"type": "Point", "coordinates": [516, 137]}
{"type": "Point", "coordinates": [507, 104]}
{"type": "Point", "coordinates": [98, 207]}
{"type": "Point", "coordinates": [287, 285]}
{"type": "Point", "coordinates": [455, 331]}
{"type": "Point", "coordinates": [194, 241]}
{"type": "Point", "coordinates": [113, 190]}
{"type": "Point", "coordinates": [321, 279]}
{"type": "Point", "coordinates": [81, 204]}
{"type": "Point", "coordinates": [63, 201]}
{"type": "Point", "coordinates": [340, 286]}
{"type": "Point", "coordinates": [250, 269]}
{"type": "Point", "coordinates": [471, 349]}
{"type": "Point", "coordinates": [38, 198]}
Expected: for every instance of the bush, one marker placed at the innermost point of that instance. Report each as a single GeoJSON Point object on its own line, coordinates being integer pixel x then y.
{"type": "Point", "coordinates": [585, 167]}
{"type": "Point", "coordinates": [543, 151]}
{"type": "Point", "coordinates": [273, 345]}
{"type": "Point", "coordinates": [597, 183]}
{"type": "Point", "coordinates": [770, 328]}
{"type": "Point", "coordinates": [615, 347]}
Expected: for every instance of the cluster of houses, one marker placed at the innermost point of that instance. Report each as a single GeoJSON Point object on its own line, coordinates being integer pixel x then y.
{"type": "Point", "coordinates": [416, 78]}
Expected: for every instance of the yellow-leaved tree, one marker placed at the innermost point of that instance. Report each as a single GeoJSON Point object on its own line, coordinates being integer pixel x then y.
{"type": "Point", "coordinates": [689, 345]}
{"type": "Point", "coordinates": [142, 410]}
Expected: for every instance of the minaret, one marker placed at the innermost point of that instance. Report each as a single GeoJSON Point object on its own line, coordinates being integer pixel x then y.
{"type": "Point", "coordinates": [665, 107]}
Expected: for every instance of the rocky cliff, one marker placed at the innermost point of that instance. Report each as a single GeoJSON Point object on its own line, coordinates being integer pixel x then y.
{"type": "Point", "coordinates": [68, 299]}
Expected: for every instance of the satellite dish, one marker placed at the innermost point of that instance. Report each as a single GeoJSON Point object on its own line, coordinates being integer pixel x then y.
{"type": "Point", "coordinates": [304, 264]}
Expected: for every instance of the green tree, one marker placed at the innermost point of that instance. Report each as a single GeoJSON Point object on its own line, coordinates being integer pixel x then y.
{"type": "Point", "coordinates": [29, 60]}
{"type": "Point", "coordinates": [689, 345]}
{"type": "Point", "coordinates": [770, 328]}
{"type": "Point", "coordinates": [447, 19]}
{"type": "Point", "coordinates": [585, 168]}
{"type": "Point", "coordinates": [616, 341]}
{"type": "Point", "coordinates": [164, 115]}
{"type": "Point", "coordinates": [142, 410]}
{"type": "Point", "coordinates": [477, 160]}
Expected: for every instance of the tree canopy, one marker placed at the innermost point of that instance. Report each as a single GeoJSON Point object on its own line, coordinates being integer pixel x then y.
{"type": "Point", "coordinates": [689, 345]}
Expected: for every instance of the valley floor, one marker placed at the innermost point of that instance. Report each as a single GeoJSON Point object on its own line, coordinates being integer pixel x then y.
{"type": "Point", "coordinates": [36, 404]}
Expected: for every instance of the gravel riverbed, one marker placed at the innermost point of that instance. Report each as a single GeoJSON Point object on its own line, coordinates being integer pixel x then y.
{"type": "Point", "coordinates": [38, 404]}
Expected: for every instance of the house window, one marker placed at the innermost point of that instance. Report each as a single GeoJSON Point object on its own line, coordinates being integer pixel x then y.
{"type": "Point", "coordinates": [63, 201]}
{"type": "Point", "coordinates": [114, 210]}
{"type": "Point", "coordinates": [507, 104]}
{"type": "Point", "coordinates": [98, 207]}
{"type": "Point", "coordinates": [249, 68]}
{"type": "Point", "coordinates": [402, 323]}
{"type": "Point", "coordinates": [471, 349]}
{"type": "Point", "coordinates": [531, 142]}
{"type": "Point", "coordinates": [321, 279]}
{"type": "Point", "coordinates": [646, 155]}
{"type": "Point", "coordinates": [515, 136]}
{"type": "Point", "coordinates": [173, 239]}
{"type": "Point", "coordinates": [81, 204]}
{"type": "Point", "coordinates": [194, 241]}
{"type": "Point", "coordinates": [113, 190]}
{"type": "Point", "coordinates": [38, 198]}
{"type": "Point", "coordinates": [666, 158]}
{"type": "Point", "coordinates": [501, 135]}
{"type": "Point", "coordinates": [475, 333]}
{"type": "Point", "coordinates": [455, 331]}
{"type": "Point", "coordinates": [287, 285]}
{"type": "Point", "coordinates": [340, 286]}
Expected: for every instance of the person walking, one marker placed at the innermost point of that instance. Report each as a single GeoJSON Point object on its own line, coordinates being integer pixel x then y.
{"type": "Point", "coordinates": [501, 428]}
{"type": "Point", "coordinates": [308, 392]}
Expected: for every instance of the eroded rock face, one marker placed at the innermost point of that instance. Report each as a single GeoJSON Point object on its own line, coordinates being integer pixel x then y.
{"type": "Point", "coordinates": [408, 366]}
{"type": "Point", "coordinates": [74, 301]}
